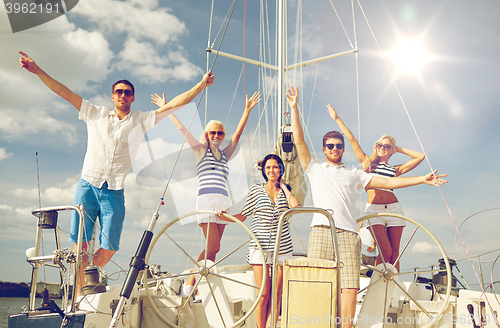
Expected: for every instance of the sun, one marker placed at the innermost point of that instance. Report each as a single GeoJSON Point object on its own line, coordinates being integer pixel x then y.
{"type": "Point", "coordinates": [409, 57]}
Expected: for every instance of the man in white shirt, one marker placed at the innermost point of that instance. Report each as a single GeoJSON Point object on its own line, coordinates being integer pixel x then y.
{"type": "Point", "coordinates": [334, 187]}
{"type": "Point", "coordinates": [113, 140]}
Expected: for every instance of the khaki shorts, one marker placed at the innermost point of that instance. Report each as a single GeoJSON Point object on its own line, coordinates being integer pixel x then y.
{"type": "Point", "coordinates": [321, 247]}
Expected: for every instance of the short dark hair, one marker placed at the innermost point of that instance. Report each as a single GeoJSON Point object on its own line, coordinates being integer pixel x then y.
{"type": "Point", "coordinates": [277, 159]}
{"type": "Point", "coordinates": [332, 134]}
{"type": "Point", "coordinates": [127, 82]}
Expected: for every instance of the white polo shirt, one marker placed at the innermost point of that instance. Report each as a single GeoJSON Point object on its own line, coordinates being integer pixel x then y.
{"type": "Point", "coordinates": [112, 143]}
{"type": "Point", "coordinates": [335, 188]}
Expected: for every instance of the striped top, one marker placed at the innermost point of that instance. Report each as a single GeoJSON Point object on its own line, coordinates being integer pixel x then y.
{"type": "Point", "coordinates": [385, 171]}
{"type": "Point", "coordinates": [212, 174]}
{"type": "Point", "coordinates": [266, 215]}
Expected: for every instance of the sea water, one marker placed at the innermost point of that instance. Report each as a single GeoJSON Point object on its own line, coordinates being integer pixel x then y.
{"type": "Point", "coordinates": [14, 305]}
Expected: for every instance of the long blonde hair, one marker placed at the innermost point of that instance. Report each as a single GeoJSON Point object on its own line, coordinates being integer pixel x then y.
{"type": "Point", "coordinates": [204, 138]}
{"type": "Point", "coordinates": [374, 158]}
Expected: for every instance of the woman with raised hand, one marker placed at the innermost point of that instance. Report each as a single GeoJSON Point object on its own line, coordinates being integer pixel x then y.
{"type": "Point", "coordinates": [212, 171]}
{"type": "Point", "coordinates": [387, 229]}
{"type": "Point", "coordinates": [266, 202]}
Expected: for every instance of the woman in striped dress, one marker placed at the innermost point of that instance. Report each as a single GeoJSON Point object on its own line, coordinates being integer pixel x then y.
{"type": "Point", "coordinates": [212, 171]}
{"type": "Point", "coordinates": [387, 229]}
{"type": "Point", "coordinates": [266, 202]}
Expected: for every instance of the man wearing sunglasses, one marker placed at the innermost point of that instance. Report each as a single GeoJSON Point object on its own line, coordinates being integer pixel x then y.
{"type": "Point", "coordinates": [334, 188]}
{"type": "Point", "coordinates": [113, 140]}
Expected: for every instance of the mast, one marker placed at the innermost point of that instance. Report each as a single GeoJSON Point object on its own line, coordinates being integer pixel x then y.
{"type": "Point", "coordinates": [281, 57]}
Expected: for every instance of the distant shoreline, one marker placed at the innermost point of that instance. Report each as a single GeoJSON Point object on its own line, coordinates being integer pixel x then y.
{"type": "Point", "coordinates": [22, 289]}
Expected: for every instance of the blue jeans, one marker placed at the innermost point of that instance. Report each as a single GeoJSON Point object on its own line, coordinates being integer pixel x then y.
{"type": "Point", "coordinates": [105, 204]}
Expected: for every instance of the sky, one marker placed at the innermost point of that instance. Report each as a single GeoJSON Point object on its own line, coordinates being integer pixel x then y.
{"type": "Point", "coordinates": [447, 106]}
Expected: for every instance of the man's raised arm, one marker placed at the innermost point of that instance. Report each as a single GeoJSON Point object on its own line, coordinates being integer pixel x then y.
{"type": "Point", "coordinates": [431, 179]}
{"type": "Point", "coordinates": [58, 88]}
{"type": "Point", "coordinates": [298, 133]}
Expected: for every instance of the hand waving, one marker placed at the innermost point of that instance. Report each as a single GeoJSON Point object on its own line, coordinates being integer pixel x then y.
{"type": "Point", "coordinates": [157, 100]}
{"type": "Point", "coordinates": [254, 100]}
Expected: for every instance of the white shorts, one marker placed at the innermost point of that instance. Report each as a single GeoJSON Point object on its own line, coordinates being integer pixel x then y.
{"type": "Point", "coordinates": [255, 258]}
{"type": "Point", "coordinates": [388, 221]}
{"type": "Point", "coordinates": [210, 202]}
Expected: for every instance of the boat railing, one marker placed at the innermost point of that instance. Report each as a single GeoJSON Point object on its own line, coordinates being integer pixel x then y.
{"type": "Point", "coordinates": [37, 260]}
{"type": "Point", "coordinates": [285, 216]}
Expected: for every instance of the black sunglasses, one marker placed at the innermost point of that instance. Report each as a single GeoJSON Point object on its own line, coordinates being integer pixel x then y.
{"type": "Point", "coordinates": [119, 92]}
{"type": "Point", "coordinates": [218, 133]}
{"type": "Point", "coordinates": [386, 147]}
{"type": "Point", "coordinates": [331, 146]}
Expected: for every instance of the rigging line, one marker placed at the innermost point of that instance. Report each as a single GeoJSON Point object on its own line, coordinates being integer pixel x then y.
{"type": "Point", "coordinates": [223, 34]}
{"type": "Point", "coordinates": [299, 40]}
{"type": "Point", "coordinates": [262, 72]}
{"type": "Point", "coordinates": [220, 28]}
{"type": "Point", "coordinates": [297, 54]}
{"type": "Point", "coordinates": [274, 108]}
{"type": "Point", "coordinates": [244, 43]}
{"type": "Point", "coordinates": [492, 280]}
{"type": "Point", "coordinates": [266, 99]}
{"type": "Point", "coordinates": [234, 95]}
{"type": "Point", "coordinates": [495, 250]}
{"type": "Point", "coordinates": [208, 54]}
{"type": "Point", "coordinates": [294, 229]}
{"type": "Point", "coordinates": [313, 89]}
{"type": "Point", "coordinates": [244, 84]}
{"type": "Point", "coordinates": [194, 113]}
{"type": "Point", "coordinates": [340, 21]}
{"type": "Point", "coordinates": [463, 278]}
{"type": "Point", "coordinates": [269, 57]}
{"type": "Point", "coordinates": [100, 231]}
{"type": "Point", "coordinates": [421, 145]}
{"type": "Point", "coordinates": [249, 149]}
{"type": "Point", "coordinates": [306, 130]}
{"type": "Point", "coordinates": [357, 93]}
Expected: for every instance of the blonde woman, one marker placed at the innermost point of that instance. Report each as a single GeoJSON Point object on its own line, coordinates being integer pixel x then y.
{"type": "Point", "coordinates": [212, 171]}
{"type": "Point", "coordinates": [387, 229]}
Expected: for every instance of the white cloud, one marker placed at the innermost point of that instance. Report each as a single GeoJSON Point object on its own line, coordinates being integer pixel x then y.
{"type": "Point", "coordinates": [424, 248]}
{"type": "Point", "coordinates": [150, 30]}
{"type": "Point", "coordinates": [4, 154]}
{"type": "Point", "coordinates": [138, 19]}
{"type": "Point", "coordinates": [144, 62]}
{"type": "Point", "coordinates": [5, 207]}
{"type": "Point", "coordinates": [16, 220]}
{"type": "Point", "coordinates": [54, 196]}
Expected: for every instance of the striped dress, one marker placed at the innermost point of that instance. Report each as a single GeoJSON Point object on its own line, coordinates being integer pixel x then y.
{"type": "Point", "coordinates": [212, 174]}
{"type": "Point", "coordinates": [266, 215]}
